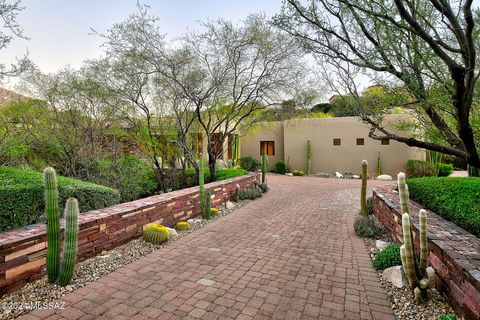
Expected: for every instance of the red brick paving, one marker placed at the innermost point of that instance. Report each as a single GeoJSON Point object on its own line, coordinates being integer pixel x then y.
{"type": "Point", "coordinates": [290, 255]}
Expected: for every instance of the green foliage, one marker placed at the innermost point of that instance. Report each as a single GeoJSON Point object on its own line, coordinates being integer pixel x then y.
{"type": "Point", "coordinates": [280, 167]}
{"type": "Point", "coordinates": [309, 157]}
{"type": "Point", "coordinates": [473, 171]}
{"type": "Point", "coordinates": [455, 199]}
{"type": "Point", "coordinates": [297, 173]}
{"type": "Point", "coordinates": [201, 183]}
{"type": "Point", "coordinates": [250, 194]}
{"type": "Point", "coordinates": [262, 186]}
{"type": "Point", "coordinates": [370, 210]}
{"type": "Point", "coordinates": [366, 226]}
{"type": "Point", "coordinates": [70, 244]}
{"type": "Point", "coordinates": [23, 201]}
{"type": "Point", "coordinates": [445, 169]}
{"type": "Point", "coordinates": [379, 165]}
{"type": "Point", "coordinates": [419, 168]}
{"type": "Point", "coordinates": [182, 226]}
{"type": "Point", "coordinates": [450, 316]}
{"type": "Point", "coordinates": [53, 223]}
{"type": "Point", "coordinates": [314, 115]}
{"type": "Point", "coordinates": [207, 210]}
{"type": "Point", "coordinates": [264, 166]}
{"type": "Point", "coordinates": [156, 234]}
{"type": "Point", "coordinates": [222, 174]}
{"type": "Point", "coordinates": [388, 257]}
{"type": "Point", "coordinates": [250, 164]}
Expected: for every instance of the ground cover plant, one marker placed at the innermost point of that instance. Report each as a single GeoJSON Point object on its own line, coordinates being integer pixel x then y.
{"type": "Point", "coordinates": [454, 198]}
{"type": "Point", "coordinates": [23, 202]}
{"type": "Point", "coordinates": [388, 257]}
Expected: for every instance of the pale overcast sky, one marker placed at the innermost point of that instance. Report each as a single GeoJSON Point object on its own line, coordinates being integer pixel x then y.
{"type": "Point", "coordinates": [59, 30]}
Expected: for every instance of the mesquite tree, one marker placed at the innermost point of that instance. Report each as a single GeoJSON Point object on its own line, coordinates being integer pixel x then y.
{"type": "Point", "coordinates": [427, 48]}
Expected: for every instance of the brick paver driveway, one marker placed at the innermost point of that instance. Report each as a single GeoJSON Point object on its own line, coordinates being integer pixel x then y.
{"type": "Point", "coordinates": [290, 255]}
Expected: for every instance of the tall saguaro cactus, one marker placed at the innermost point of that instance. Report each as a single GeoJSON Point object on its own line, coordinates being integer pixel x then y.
{"type": "Point", "coordinates": [208, 205]}
{"type": "Point", "coordinates": [201, 183]}
{"type": "Point", "coordinates": [419, 276]}
{"type": "Point", "coordinates": [309, 158]}
{"type": "Point", "coordinates": [264, 165]}
{"type": "Point", "coordinates": [53, 223]}
{"type": "Point", "coordinates": [363, 192]}
{"type": "Point", "coordinates": [70, 244]}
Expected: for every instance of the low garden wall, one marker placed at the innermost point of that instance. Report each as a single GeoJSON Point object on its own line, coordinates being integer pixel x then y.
{"type": "Point", "coordinates": [23, 251]}
{"type": "Point", "coordinates": [454, 253]}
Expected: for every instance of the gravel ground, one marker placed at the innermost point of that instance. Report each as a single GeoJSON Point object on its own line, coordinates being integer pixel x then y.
{"type": "Point", "coordinates": [90, 270]}
{"type": "Point", "coordinates": [403, 304]}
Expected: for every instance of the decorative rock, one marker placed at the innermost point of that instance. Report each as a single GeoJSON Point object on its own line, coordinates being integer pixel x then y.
{"type": "Point", "coordinates": [338, 174]}
{"type": "Point", "coordinates": [229, 205]}
{"type": "Point", "coordinates": [380, 244]}
{"type": "Point", "coordinates": [289, 174]}
{"type": "Point", "coordinates": [69, 288]}
{"type": "Point", "coordinates": [172, 232]}
{"type": "Point", "coordinates": [323, 174]}
{"type": "Point", "coordinates": [384, 177]}
{"type": "Point", "coordinates": [395, 276]}
{"type": "Point", "coordinates": [355, 176]}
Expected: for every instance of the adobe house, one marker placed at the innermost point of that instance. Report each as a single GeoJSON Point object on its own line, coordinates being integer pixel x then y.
{"type": "Point", "coordinates": [338, 144]}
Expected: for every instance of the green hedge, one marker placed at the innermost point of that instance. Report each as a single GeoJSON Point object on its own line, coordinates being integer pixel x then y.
{"type": "Point", "coordinates": [456, 199]}
{"type": "Point", "coordinates": [22, 196]}
{"type": "Point", "coordinates": [222, 174]}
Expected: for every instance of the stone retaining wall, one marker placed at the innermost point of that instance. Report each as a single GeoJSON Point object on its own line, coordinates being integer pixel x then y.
{"type": "Point", "coordinates": [23, 251]}
{"type": "Point", "coordinates": [454, 253]}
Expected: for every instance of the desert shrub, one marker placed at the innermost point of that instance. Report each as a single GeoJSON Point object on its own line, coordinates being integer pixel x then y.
{"type": "Point", "coordinates": [262, 186]}
{"type": "Point", "coordinates": [22, 196]}
{"type": "Point", "coordinates": [366, 227]}
{"type": "Point", "coordinates": [249, 164]}
{"type": "Point", "coordinates": [250, 194]}
{"type": "Point", "coordinates": [370, 205]}
{"type": "Point", "coordinates": [419, 168]}
{"type": "Point", "coordinates": [182, 226]}
{"type": "Point", "coordinates": [156, 234]}
{"type": "Point", "coordinates": [280, 167]}
{"type": "Point", "coordinates": [298, 173]}
{"type": "Point", "coordinates": [222, 174]}
{"type": "Point", "coordinates": [388, 257]}
{"type": "Point", "coordinates": [444, 169]}
{"type": "Point", "coordinates": [454, 198]}
{"type": "Point", "coordinates": [214, 212]}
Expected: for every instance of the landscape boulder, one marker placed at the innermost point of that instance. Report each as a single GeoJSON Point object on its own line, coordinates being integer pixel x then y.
{"type": "Point", "coordinates": [384, 177]}
{"type": "Point", "coordinates": [395, 276]}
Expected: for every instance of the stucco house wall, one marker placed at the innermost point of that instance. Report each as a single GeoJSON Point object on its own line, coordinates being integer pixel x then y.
{"type": "Point", "coordinates": [291, 138]}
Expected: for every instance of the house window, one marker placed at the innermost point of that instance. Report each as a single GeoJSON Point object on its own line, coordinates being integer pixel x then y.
{"type": "Point", "coordinates": [385, 142]}
{"type": "Point", "coordinates": [337, 142]}
{"type": "Point", "coordinates": [269, 146]}
{"type": "Point", "coordinates": [360, 141]}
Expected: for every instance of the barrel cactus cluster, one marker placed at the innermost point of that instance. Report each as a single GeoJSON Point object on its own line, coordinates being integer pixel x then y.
{"type": "Point", "coordinates": [419, 276]}
{"type": "Point", "coordinates": [54, 272]}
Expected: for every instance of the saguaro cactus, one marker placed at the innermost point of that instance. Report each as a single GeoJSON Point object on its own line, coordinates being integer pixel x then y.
{"type": "Point", "coordinates": [379, 165]}
{"type": "Point", "coordinates": [70, 243]}
{"type": "Point", "coordinates": [208, 205]}
{"type": "Point", "coordinates": [264, 165]}
{"type": "Point", "coordinates": [419, 276]}
{"type": "Point", "coordinates": [53, 223]}
{"type": "Point", "coordinates": [309, 158]}
{"type": "Point", "coordinates": [201, 183]}
{"type": "Point", "coordinates": [363, 192]}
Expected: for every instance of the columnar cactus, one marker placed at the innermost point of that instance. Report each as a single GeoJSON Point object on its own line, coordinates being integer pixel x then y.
{"type": "Point", "coordinates": [473, 171]}
{"type": "Point", "coordinates": [70, 243]}
{"type": "Point", "coordinates": [201, 183]}
{"type": "Point", "coordinates": [207, 214]}
{"type": "Point", "coordinates": [236, 196]}
{"type": "Point", "coordinates": [309, 158]}
{"type": "Point", "coordinates": [419, 276]}
{"type": "Point", "coordinates": [264, 166]}
{"type": "Point", "coordinates": [363, 192]}
{"type": "Point", "coordinates": [53, 223]}
{"type": "Point", "coordinates": [379, 165]}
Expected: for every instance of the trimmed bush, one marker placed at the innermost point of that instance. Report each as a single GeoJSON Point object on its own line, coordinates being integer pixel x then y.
{"type": "Point", "coordinates": [182, 226]}
{"type": "Point", "coordinates": [249, 164]}
{"type": "Point", "coordinates": [419, 168]}
{"type": "Point", "coordinates": [222, 174]}
{"type": "Point", "coordinates": [388, 257]}
{"type": "Point", "coordinates": [250, 194]}
{"type": "Point", "coordinates": [445, 169]}
{"type": "Point", "coordinates": [156, 234]}
{"type": "Point", "coordinates": [298, 173]}
{"type": "Point", "coordinates": [454, 198]}
{"type": "Point", "coordinates": [23, 201]}
{"type": "Point", "coordinates": [214, 212]}
{"type": "Point", "coordinates": [280, 167]}
{"type": "Point", "coordinates": [366, 226]}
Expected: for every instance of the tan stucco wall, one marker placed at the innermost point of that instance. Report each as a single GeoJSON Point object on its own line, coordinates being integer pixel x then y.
{"type": "Point", "coordinates": [271, 131]}
{"type": "Point", "coordinates": [325, 156]}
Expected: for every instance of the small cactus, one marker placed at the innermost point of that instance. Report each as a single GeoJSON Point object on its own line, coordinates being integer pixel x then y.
{"type": "Point", "coordinates": [70, 243]}
{"type": "Point", "coordinates": [236, 195]}
{"type": "Point", "coordinates": [214, 212]}
{"type": "Point", "coordinates": [53, 224]}
{"type": "Point", "coordinates": [419, 276]}
{"type": "Point", "coordinates": [363, 192]}
{"type": "Point", "coordinates": [156, 234]}
{"type": "Point", "coordinates": [309, 158]}
{"type": "Point", "coordinates": [264, 165]}
{"type": "Point", "coordinates": [182, 225]}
